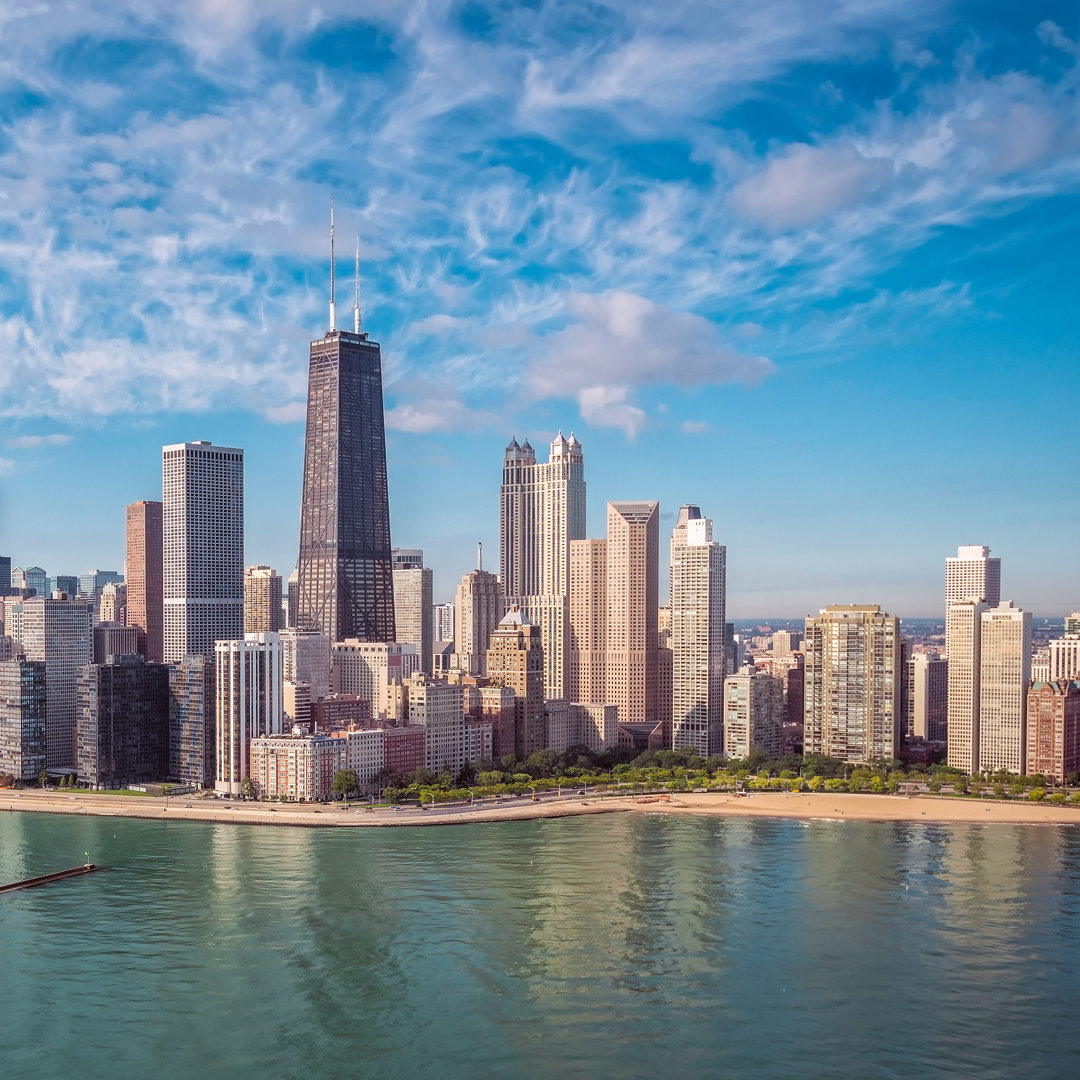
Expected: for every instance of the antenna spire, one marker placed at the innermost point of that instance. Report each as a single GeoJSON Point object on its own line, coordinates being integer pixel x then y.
{"type": "Point", "coordinates": [479, 555]}
{"type": "Point", "coordinates": [333, 306]}
{"type": "Point", "coordinates": [356, 301]}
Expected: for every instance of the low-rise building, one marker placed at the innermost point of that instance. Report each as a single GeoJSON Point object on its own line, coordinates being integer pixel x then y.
{"type": "Point", "coordinates": [364, 750]}
{"type": "Point", "coordinates": [1053, 729]}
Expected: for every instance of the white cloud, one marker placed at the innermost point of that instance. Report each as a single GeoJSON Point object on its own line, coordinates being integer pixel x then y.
{"type": "Point", "coordinates": [695, 427]}
{"type": "Point", "coordinates": [803, 184]}
{"type": "Point", "coordinates": [606, 406]}
{"type": "Point", "coordinates": [27, 442]}
{"type": "Point", "coordinates": [422, 407]}
{"type": "Point", "coordinates": [290, 413]}
{"type": "Point", "coordinates": [7, 466]}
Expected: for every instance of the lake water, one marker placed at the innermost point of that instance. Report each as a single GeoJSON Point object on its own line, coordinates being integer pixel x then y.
{"type": "Point", "coordinates": [619, 945]}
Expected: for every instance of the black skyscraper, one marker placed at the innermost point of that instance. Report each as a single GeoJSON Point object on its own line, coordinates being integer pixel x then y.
{"type": "Point", "coordinates": [346, 586]}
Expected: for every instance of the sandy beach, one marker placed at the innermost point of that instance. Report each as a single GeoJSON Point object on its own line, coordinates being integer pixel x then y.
{"type": "Point", "coordinates": [922, 808]}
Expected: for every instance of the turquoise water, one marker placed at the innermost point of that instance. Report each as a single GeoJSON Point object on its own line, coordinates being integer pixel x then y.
{"type": "Point", "coordinates": [621, 946]}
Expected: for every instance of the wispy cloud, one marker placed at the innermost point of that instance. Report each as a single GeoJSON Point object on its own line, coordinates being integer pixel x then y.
{"type": "Point", "coordinates": [26, 442]}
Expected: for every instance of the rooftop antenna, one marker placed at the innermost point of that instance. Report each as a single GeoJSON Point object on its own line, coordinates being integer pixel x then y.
{"type": "Point", "coordinates": [479, 555]}
{"type": "Point", "coordinates": [333, 306]}
{"type": "Point", "coordinates": [356, 301]}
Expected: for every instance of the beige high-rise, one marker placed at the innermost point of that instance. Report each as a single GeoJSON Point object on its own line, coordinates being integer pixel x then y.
{"type": "Point", "coordinates": [542, 514]}
{"type": "Point", "coordinates": [263, 612]}
{"type": "Point", "coordinates": [143, 576]}
{"type": "Point", "coordinates": [698, 634]}
{"type": "Point", "coordinates": [413, 609]}
{"type": "Point", "coordinates": [516, 659]}
{"type": "Point", "coordinates": [852, 683]}
{"type": "Point", "coordinates": [963, 622]}
{"type": "Point", "coordinates": [633, 560]}
{"type": "Point", "coordinates": [588, 620]}
{"type": "Point", "coordinates": [1004, 675]}
{"type": "Point", "coordinates": [478, 606]}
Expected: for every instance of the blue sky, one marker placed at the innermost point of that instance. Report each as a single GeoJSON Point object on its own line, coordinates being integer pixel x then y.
{"type": "Point", "coordinates": [810, 266]}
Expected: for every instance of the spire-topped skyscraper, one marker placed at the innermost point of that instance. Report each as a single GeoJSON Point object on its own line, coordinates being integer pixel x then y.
{"type": "Point", "coordinates": [345, 573]}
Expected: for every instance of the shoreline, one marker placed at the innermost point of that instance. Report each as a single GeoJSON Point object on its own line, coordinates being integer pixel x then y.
{"type": "Point", "coordinates": [925, 809]}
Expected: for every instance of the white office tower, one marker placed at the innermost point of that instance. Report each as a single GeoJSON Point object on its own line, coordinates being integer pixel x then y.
{"type": "Point", "coordinates": [852, 683]}
{"type": "Point", "coordinates": [1004, 675]}
{"type": "Point", "coordinates": [479, 606]}
{"type": "Point", "coordinates": [542, 511]}
{"type": "Point", "coordinates": [413, 602]}
{"type": "Point", "coordinates": [203, 541]}
{"type": "Point", "coordinates": [698, 639]}
{"type": "Point", "coordinates": [963, 624]}
{"type": "Point", "coordinates": [973, 575]}
{"type": "Point", "coordinates": [60, 633]}
{"type": "Point", "coordinates": [1064, 658]}
{"type": "Point", "coordinates": [754, 714]}
{"type": "Point", "coordinates": [248, 686]}
{"type": "Point", "coordinates": [1072, 623]}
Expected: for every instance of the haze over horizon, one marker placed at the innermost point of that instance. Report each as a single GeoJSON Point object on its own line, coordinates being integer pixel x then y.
{"type": "Point", "coordinates": [812, 272]}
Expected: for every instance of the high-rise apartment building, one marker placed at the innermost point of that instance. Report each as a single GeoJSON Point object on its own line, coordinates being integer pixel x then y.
{"type": "Point", "coordinates": [588, 621]}
{"type": "Point", "coordinates": [633, 567]}
{"type": "Point", "coordinates": [542, 513]}
{"type": "Point", "coordinates": [59, 633]}
{"type": "Point", "coordinates": [963, 622]}
{"type": "Point", "coordinates": [345, 580]}
{"type": "Point", "coordinates": [203, 547]}
{"type": "Point", "coordinates": [263, 611]}
{"type": "Point", "coordinates": [144, 577]}
{"type": "Point", "coordinates": [439, 708]}
{"type": "Point", "coordinates": [698, 613]}
{"type": "Point", "coordinates": [515, 658]}
{"type": "Point", "coordinates": [478, 606]}
{"type": "Point", "coordinates": [1004, 675]}
{"type": "Point", "coordinates": [247, 684]}
{"type": "Point", "coordinates": [22, 718]}
{"type": "Point", "coordinates": [754, 714]}
{"type": "Point", "coordinates": [852, 683]}
{"type": "Point", "coordinates": [413, 610]}
{"type": "Point", "coordinates": [1053, 729]}
{"type": "Point", "coordinates": [192, 718]}
{"type": "Point", "coordinates": [928, 696]}
{"type": "Point", "coordinates": [122, 732]}
{"type": "Point", "coordinates": [368, 670]}
{"type": "Point", "coordinates": [443, 625]}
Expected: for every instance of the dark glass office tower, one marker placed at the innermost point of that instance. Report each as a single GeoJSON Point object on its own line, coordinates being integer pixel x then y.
{"type": "Point", "coordinates": [346, 587]}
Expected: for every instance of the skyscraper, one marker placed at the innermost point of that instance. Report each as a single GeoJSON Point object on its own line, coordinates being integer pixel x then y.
{"type": "Point", "coordinates": [516, 659]}
{"type": "Point", "coordinates": [22, 718]}
{"type": "Point", "coordinates": [1004, 675]}
{"type": "Point", "coordinates": [203, 547]}
{"type": "Point", "coordinates": [698, 613]}
{"type": "Point", "coordinates": [143, 572]}
{"type": "Point", "coordinates": [345, 581]}
{"type": "Point", "coordinates": [753, 714]}
{"type": "Point", "coordinates": [852, 683]}
{"type": "Point", "coordinates": [263, 612]}
{"type": "Point", "coordinates": [5, 575]}
{"type": "Point", "coordinates": [588, 621]}
{"type": "Point", "coordinates": [542, 511]}
{"type": "Point", "coordinates": [413, 612]}
{"type": "Point", "coordinates": [633, 567]}
{"type": "Point", "coordinates": [478, 606]}
{"type": "Point", "coordinates": [928, 696]}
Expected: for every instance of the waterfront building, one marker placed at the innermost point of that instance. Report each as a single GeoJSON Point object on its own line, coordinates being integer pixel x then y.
{"type": "Point", "coordinates": [364, 753]}
{"type": "Point", "coordinates": [852, 683]}
{"type": "Point", "coordinates": [1053, 730]}
{"type": "Point", "coordinates": [439, 708]}
{"type": "Point", "coordinates": [345, 579]}
{"type": "Point", "coordinates": [1064, 658]}
{"type": "Point", "coordinates": [192, 705]}
{"type": "Point", "coordinates": [633, 554]}
{"type": "Point", "coordinates": [964, 631]}
{"type": "Point", "coordinates": [542, 511]}
{"type": "Point", "coordinates": [515, 658]}
{"type": "Point", "coordinates": [295, 768]}
{"type": "Point", "coordinates": [588, 620]}
{"type": "Point", "coordinates": [1004, 675]}
{"type": "Point", "coordinates": [754, 714]}
{"type": "Point", "coordinates": [479, 605]}
{"type": "Point", "coordinates": [112, 639]}
{"type": "Point", "coordinates": [403, 748]}
{"type": "Point", "coordinates": [928, 696]}
{"type": "Point", "coordinates": [572, 723]}
{"type": "Point", "coordinates": [122, 728]}
{"type": "Point", "coordinates": [248, 688]}
{"type": "Point", "coordinates": [368, 669]}
{"type": "Point", "coordinates": [263, 611]}
{"type": "Point", "coordinates": [496, 706]}
{"type": "Point", "coordinates": [203, 547]}
{"type": "Point", "coordinates": [144, 577]}
{"type": "Point", "coordinates": [698, 612]}
{"type": "Point", "coordinates": [413, 609]}
{"type": "Point", "coordinates": [59, 633]}
{"type": "Point", "coordinates": [22, 719]}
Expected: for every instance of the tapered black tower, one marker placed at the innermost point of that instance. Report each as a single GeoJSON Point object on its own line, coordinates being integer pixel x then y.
{"type": "Point", "coordinates": [346, 587]}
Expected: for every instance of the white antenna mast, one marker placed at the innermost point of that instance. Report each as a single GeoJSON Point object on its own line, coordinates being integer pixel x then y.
{"type": "Point", "coordinates": [333, 306]}
{"type": "Point", "coordinates": [479, 555]}
{"type": "Point", "coordinates": [356, 301]}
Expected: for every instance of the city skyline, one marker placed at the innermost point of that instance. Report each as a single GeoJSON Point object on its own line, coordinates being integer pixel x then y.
{"type": "Point", "coordinates": [734, 254]}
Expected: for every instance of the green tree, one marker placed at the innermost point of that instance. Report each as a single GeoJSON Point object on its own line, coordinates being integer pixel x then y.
{"type": "Point", "coordinates": [43, 778]}
{"type": "Point", "coordinates": [345, 783]}
{"type": "Point", "coordinates": [247, 788]}
{"type": "Point", "coordinates": [1037, 794]}
{"type": "Point", "coordinates": [1057, 798]}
